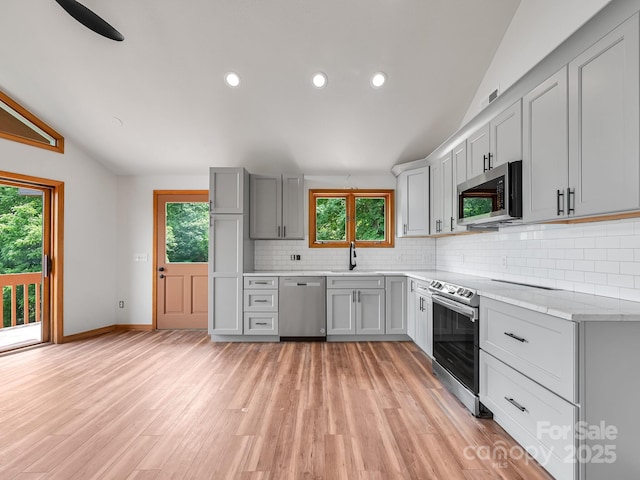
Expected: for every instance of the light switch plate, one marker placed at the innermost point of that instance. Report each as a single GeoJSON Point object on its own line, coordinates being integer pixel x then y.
{"type": "Point", "coordinates": [140, 257]}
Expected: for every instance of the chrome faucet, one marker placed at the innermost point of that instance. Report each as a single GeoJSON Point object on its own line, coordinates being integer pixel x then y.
{"type": "Point", "coordinates": [352, 255]}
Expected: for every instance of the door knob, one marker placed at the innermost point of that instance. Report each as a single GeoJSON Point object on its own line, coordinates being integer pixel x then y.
{"type": "Point", "coordinates": [161, 269]}
{"type": "Point", "coordinates": [161, 276]}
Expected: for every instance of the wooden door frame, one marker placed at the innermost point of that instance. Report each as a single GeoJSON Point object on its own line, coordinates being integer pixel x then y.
{"type": "Point", "coordinates": [53, 224]}
{"type": "Point", "coordinates": [154, 293]}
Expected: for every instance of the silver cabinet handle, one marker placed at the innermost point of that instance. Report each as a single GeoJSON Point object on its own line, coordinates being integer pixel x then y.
{"type": "Point", "coordinates": [570, 209]}
{"type": "Point", "coordinates": [261, 301]}
{"type": "Point", "coordinates": [278, 231]}
{"type": "Point", "coordinates": [284, 231]}
{"type": "Point", "coordinates": [516, 337]}
{"type": "Point", "coordinates": [516, 404]}
{"type": "Point", "coordinates": [359, 296]}
{"type": "Point", "coordinates": [405, 228]}
{"type": "Point", "coordinates": [261, 283]}
{"type": "Point", "coordinates": [353, 299]}
{"type": "Point", "coordinates": [451, 228]}
{"type": "Point", "coordinates": [262, 323]}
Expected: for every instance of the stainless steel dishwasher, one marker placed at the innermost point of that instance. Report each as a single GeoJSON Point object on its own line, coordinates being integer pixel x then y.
{"type": "Point", "coordinates": [301, 313]}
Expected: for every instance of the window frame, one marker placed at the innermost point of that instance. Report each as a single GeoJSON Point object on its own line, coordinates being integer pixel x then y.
{"type": "Point", "coordinates": [350, 196]}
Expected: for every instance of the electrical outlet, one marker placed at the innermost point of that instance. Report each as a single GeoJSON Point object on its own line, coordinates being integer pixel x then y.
{"type": "Point", "coordinates": [297, 257]}
{"type": "Point", "coordinates": [121, 304]}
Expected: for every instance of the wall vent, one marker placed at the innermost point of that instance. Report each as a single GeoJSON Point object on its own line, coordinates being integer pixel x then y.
{"type": "Point", "coordinates": [487, 100]}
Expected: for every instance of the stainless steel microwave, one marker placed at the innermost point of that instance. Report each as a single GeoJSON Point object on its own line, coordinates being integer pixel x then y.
{"type": "Point", "coordinates": [493, 197]}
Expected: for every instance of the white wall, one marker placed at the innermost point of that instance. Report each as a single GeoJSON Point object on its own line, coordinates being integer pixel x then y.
{"type": "Point", "coordinates": [89, 228]}
{"type": "Point", "coordinates": [599, 258]}
{"type": "Point", "coordinates": [135, 236]}
{"type": "Point", "coordinates": [536, 29]}
{"type": "Point", "coordinates": [408, 254]}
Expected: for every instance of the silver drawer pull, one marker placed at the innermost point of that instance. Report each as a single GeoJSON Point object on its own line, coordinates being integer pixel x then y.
{"type": "Point", "coordinates": [261, 283]}
{"type": "Point", "coordinates": [516, 404]}
{"type": "Point", "coordinates": [515, 337]}
{"type": "Point", "coordinates": [262, 323]}
{"type": "Point", "coordinates": [261, 301]}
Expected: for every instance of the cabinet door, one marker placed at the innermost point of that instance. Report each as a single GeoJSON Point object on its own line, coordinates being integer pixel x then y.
{"type": "Point", "coordinates": [436, 198]}
{"type": "Point", "coordinates": [506, 136]}
{"type": "Point", "coordinates": [415, 202]}
{"type": "Point", "coordinates": [603, 124]}
{"type": "Point", "coordinates": [477, 152]}
{"type": "Point", "coordinates": [447, 198]}
{"type": "Point", "coordinates": [396, 314]}
{"type": "Point", "coordinates": [266, 206]}
{"type": "Point", "coordinates": [459, 175]}
{"type": "Point", "coordinates": [293, 207]}
{"type": "Point", "coordinates": [411, 310]}
{"type": "Point", "coordinates": [545, 158]}
{"type": "Point", "coordinates": [225, 305]}
{"type": "Point", "coordinates": [370, 312]}
{"type": "Point", "coordinates": [227, 189]}
{"type": "Point", "coordinates": [341, 311]}
{"type": "Point", "coordinates": [428, 318]}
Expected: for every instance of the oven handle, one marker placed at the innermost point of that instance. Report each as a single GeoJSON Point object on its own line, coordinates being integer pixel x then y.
{"type": "Point", "coordinates": [470, 312]}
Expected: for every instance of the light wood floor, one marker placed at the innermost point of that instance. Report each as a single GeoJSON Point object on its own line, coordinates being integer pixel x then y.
{"type": "Point", "coordinates": [159, 405]}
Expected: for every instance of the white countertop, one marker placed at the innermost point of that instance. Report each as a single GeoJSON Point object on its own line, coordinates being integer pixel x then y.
{"type": "Point", "coordinates": [574, 306]}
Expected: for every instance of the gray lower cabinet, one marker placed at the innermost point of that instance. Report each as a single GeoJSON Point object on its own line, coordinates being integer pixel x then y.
{"type": "Point", "coordinates": [356, 306]}
{"type": "Point", "coordinates": [549, 381]}
{"type": "Point", "coordinates": [261, 305]}
{"type": "Point", "coordinates": [396, 304]}
{"type": "Point", "coordinates": [422, 312]}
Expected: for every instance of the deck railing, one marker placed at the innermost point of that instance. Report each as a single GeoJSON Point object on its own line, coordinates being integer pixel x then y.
{"type": "Point", "coordinates": [13, 281]}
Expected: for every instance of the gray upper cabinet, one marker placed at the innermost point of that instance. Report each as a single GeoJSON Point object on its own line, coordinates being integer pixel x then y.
{"type": "Point", "coordinates": [506, 136]}
{"type": "Point", "coordinates": [603, 124]}
{"type": "Point", "coordinates": [436, 201]}
{"type": "Point", "coordinates": [459, 153]}
{"type": "Point", "coordinates": [443, 194]}
{"type": "Point", "coordinates": [497, 142]}
{"type": "Point", "coordinates": [413, 203]}
{"type": "Point", "coordinates": [226, 190]}
{"type": "Point", "coordinates": [277, 207]}
{"type": "Point", "coordinates": [545, 149]}
{"type": "Point", "coordinates": [477, 152]}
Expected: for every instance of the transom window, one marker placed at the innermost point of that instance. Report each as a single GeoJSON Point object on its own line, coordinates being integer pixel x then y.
{"type": "Point", "coordinates": [339, 217]}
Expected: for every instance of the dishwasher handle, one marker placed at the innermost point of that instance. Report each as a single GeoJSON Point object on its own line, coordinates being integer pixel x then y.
{"type": "Point", "coordinates": [302, 284]}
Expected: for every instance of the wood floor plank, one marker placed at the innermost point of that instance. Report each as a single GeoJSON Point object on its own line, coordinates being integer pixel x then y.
{"type": "Point", "coordinates": [173, 405]}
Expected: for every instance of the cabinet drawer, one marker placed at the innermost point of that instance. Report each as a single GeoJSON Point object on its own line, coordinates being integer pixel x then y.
{"type": "Point", "coordinates": [528, 412]}
{"type": "Point", "coordinates": [260, 300]}
{"type": "Point", "coordinates": [261, 282]}
{"type": "Point", "coordinates": [260, 323]}
{"type": "Point", "coordinates": [355, 282]}
{"type": "Point", "coordinates": [538, 345]}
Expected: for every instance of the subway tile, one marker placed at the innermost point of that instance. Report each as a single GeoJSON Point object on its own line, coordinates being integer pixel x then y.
{"type": "Point", "coordinates": [608, 242]}
{"type": "Point", "coordinates": [584, 265]}
{"type": "Point", "coordinates": [620, 254]}
{"type": "Point", "coordinates": [574, 276]}
{"type": "Point", "coordinates": [595, 254]}
{"type": "Point", "coordinates": [595, 278]}
{"type": "Point", "coordinates": [607, 267]}
{"type": "Point", "coordinates": [630, 268]}
{"type": "Point", "coordinates": [625, 281]}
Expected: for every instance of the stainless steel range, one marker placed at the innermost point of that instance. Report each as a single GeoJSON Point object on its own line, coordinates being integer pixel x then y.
{"type": "Point", "coordinates": [456, 348]}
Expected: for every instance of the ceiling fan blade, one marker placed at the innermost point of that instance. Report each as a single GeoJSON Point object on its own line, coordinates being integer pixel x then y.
{"type": "Point", "coordinates": [90, 19]}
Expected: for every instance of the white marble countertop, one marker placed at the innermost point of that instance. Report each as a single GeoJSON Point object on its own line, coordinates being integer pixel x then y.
{"type": "Point", "coordinates": [574, 306]}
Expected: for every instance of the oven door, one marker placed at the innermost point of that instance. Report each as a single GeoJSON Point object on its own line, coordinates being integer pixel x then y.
{"type": "Point", "coordinates": [455, 340]}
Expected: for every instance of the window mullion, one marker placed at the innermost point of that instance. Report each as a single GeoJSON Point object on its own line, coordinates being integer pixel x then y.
{"type": "Point", "coordinates": [351, 214]}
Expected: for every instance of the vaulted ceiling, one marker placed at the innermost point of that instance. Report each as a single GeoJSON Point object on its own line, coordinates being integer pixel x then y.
{"type": "Point", "coordinates": [158, 103]}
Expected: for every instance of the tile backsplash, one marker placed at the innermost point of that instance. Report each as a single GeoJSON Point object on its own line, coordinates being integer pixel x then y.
{"type": "Point", "coordinates": [601, 258]}
{"type": "Point", "coordinates": [408, 254]}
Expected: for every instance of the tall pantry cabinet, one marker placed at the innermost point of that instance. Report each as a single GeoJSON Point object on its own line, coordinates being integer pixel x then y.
{"type": "Point", "coordinates": [230, 249]}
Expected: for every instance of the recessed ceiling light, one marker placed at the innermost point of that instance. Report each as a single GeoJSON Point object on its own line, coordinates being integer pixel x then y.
{"type": "Point", "coordinates": [319, 80]}
{"type": "Point", "coordinates": [232, 79]}
{"type": "Point", "coordinates": [378, 79]}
